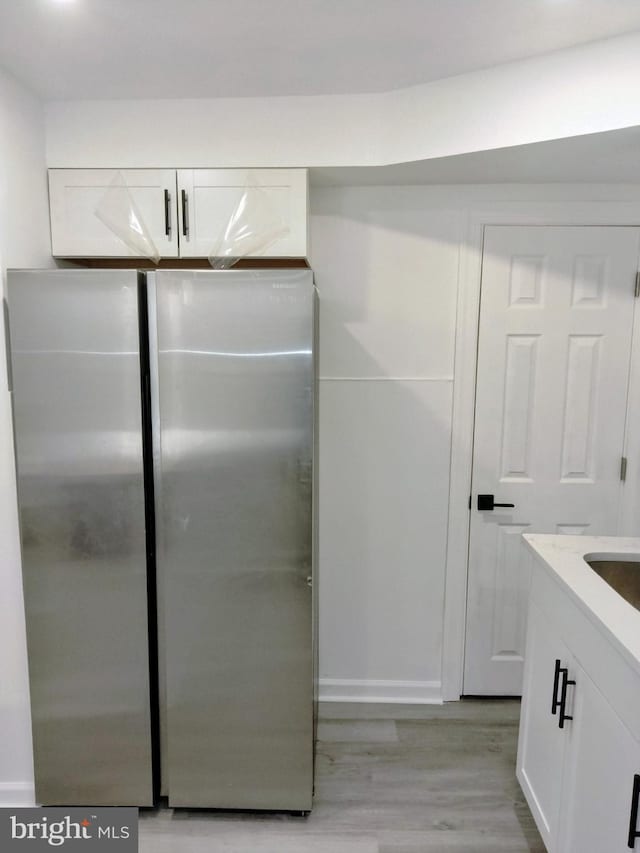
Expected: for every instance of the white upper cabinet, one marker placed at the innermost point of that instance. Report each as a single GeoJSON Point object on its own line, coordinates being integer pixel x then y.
{"type": "Point", "coordinates": [208, 198]}
{"type": "Point", "coordinates": [75, 194]}
{"type": "Point", "coordinates": [186, 213]}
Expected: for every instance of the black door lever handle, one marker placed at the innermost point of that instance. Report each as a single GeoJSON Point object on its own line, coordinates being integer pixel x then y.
{"type": "Point", "coordinates": [486, 502]}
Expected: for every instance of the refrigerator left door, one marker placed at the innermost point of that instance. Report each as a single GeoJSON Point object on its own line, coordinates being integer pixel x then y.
{"type": "Point", "coordinates": [76, 379]}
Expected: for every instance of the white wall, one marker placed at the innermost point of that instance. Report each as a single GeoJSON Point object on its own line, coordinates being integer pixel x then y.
{"type": "Point", "coordinates": [386, 263]}
{"type": "Point", "coordinates": [24, 242]}
{"type": "Point", "coordinates": [386, 266]}
{"type": "Point", "coordinates": [582, 90]}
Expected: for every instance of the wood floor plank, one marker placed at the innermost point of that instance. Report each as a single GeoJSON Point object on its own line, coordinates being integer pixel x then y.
{"type": "Point", "coordinates": [355, 731]}
{"type": "Point", "coordinates": [430, 778]}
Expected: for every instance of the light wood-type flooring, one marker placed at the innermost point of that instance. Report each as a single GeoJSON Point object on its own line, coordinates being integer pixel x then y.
{"type": "Point", "coordinates": [389, 779]}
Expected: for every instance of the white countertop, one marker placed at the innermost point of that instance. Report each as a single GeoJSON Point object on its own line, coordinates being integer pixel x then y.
{"type": "Point", "coordinates": [565, 556]}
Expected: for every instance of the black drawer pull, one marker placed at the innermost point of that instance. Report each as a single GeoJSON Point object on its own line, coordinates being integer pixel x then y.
{"type": "Point", "coordinates": [555, 702]}
{"type": "Point", "coordinates": [633, 819]}
{"type": "Point", "coordinates": [566, 681]}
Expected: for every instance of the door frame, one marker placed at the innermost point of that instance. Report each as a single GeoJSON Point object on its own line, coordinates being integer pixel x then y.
{"type": "Point", "coordinates": [576, 213]}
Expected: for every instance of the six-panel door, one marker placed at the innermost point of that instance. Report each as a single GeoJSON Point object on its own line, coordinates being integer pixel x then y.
{"type": "Point", "coordinates": [553, 363]}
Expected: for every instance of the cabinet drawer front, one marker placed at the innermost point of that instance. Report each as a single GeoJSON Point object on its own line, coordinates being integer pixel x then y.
{"type": "Point", "coordinates": [76, 231]}
{"type": "Point", "coordinates": [209, 197]}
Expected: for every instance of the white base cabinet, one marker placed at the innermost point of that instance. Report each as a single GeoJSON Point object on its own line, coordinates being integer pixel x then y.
{"type": "Point", "coordinates": [579, 743]}
{"type": "Point", "coordinates": [186, 211]}
{"type": "Point", "coordinates": [542, 742]}
{"type": "Point", "coordinates": [601, 765]}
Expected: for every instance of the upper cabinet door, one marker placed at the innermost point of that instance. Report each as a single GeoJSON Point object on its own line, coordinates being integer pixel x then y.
{"type": "Point", "coordinates": [75, 194]}
{"type": "Point", "coordinates": [208, 198]}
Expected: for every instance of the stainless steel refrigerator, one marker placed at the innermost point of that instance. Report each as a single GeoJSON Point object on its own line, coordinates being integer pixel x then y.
{"type": "Point", "coordinates": [164, 428]}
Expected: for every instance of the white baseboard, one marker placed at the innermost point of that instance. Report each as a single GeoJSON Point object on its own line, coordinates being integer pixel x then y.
{"type": "Point", "coordinates": [17, 795]}
{"type": "Point", "coordinates": [400, 692]}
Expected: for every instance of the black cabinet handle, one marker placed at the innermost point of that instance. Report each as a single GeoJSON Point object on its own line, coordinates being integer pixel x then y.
{"type": "Point", "coordinates": [566, 681]}
{"type": "Point", "coordinates": [185, 214]}
{"type": "Point", "coordinates": [487, 503]}
{"type": "Point", "coordinates": [633, 819]}
{"type": "Point", "coordinates": [167, 213]}
{"type": "Point", "coordinates": [555, 702]}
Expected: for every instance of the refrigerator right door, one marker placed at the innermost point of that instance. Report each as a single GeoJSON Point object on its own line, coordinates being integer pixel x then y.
{"type": "Point", "coordinates": [236, 410]}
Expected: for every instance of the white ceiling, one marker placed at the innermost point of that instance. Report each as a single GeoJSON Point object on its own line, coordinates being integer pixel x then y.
{"type": "Point", "coordinates": [66, 49]}
{"type": "Point", "coordinates": [612, 157]}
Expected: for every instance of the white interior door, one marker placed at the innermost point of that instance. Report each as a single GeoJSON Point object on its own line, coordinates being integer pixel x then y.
{"type": "Point", "coordinates": [554, 348]}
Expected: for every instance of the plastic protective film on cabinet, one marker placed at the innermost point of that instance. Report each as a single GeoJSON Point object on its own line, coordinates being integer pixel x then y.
{"type": "Point", "coordinates": [254, 225]}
